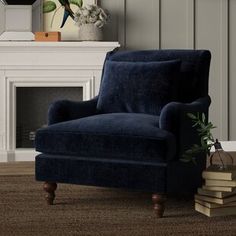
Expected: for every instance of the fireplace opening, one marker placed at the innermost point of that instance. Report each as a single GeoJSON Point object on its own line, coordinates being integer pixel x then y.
{"type": "Point", "coordinates": [32, 105]}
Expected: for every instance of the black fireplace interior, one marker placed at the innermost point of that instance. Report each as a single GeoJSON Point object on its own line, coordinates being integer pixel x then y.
{"type": "Point", "coordinates": [32, 107]}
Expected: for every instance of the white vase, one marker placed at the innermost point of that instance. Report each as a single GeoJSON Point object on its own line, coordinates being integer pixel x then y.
{"type": "Point", "coordinates": [89, 32]}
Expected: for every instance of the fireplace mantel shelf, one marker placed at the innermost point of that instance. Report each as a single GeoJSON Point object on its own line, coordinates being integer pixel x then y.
{"type": "Point", "coordinates": [91, 45]}
{"type": "Point", "coordinates": [59, 54]}
{"type": "Point", "coordinates": [44, 64]}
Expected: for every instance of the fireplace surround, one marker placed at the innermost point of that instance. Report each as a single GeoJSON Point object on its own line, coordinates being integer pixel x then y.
{"type": "Point", "coordinates": [25, 65]}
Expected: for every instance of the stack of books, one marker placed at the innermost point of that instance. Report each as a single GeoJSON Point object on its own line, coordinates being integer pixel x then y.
{"type": "Point", "coordinates": [218, 196]}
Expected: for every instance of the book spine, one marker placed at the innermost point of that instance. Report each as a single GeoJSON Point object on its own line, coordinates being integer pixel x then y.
{"type": "Point", "coordinates": [217, 176]}
{"type": "Point", "coordinates": [222, 183]}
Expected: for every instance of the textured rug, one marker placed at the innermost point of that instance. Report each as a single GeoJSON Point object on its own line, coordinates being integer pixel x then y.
{"type": "Point", "coordinates": [81, 210]}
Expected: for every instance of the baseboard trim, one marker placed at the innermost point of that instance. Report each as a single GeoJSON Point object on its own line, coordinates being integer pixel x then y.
{"type": "Point", "coordinates": [18, 155]}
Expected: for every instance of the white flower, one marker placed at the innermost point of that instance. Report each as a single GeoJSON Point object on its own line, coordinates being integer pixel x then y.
{"type": "Point", "coordinates": [79, 12]}
{"type": "Point", "coordinates": [76, 18]}
{"type": "Point", "coordinates": [103, 17]}
{"type": "Point", "coordinates": [91, 14]}
{"type": "Point", "coordinates": [97, 11]}
{"type": "Point", "coordinates": [99, 24]}
{"type": "Point", "coordinates": [83, 21]}
{"type": "Point", "coordinates": [85, 12]}
{"type": "Point", "coordinates": [90, 7]}
{"type": "Point", "coordinates": [92, 19]}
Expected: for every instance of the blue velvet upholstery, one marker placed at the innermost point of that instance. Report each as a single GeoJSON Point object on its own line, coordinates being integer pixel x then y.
{"type": "Point", "coordinates": [173, 118]}
{"type": "Point", "coordinates": [193, 79]}
{"type": "Point", "coordinates": [64, 110]}
{"type": "Point", "coordinates": [119, 134]}
{"type": "Point", "coordinates": [137, 87]}
{"type": "Point", "coordinates": [86, 145]}
{"type": "Point", "coordinates": [102, 172]}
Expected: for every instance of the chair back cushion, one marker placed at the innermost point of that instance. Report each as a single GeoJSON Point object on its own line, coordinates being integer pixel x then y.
{"type": "Point", "coordinates": [194, 72]}
{"type": "Point", "coordinates": [137, 87]}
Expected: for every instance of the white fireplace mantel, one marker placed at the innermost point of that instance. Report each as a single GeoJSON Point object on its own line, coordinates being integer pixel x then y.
{"type": "Point", "coordinates": [44, 64]}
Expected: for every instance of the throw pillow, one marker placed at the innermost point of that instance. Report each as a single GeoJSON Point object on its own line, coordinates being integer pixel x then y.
{"type": "Point", "coordinates": [137, 87]}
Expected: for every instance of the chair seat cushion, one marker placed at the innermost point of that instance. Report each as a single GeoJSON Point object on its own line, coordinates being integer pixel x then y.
{"type": "Point", "coordinates": [124, 136]}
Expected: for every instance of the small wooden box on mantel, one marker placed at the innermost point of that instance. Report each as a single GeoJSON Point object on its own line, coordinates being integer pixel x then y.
{"type": "Point", "coordinates": [48, 36]}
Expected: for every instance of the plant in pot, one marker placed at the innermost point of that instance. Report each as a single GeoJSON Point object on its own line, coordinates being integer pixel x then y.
{"type": "Point", "coordinates": [91, 19]}
{"type": "Point", "coordinates": [222, 159]}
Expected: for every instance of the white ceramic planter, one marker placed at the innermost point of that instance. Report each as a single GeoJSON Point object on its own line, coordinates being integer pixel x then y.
{"type": "Point", "coordinates": [89, 32]}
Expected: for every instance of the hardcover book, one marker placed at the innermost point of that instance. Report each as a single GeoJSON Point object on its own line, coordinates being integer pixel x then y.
{"type": "Point", "coordinates": [219, 188]}
{"type": "Point", "coordinates": [218, 194]}
{"type": "Point", "coordinates": [223, 183]}
{"type": "Point", "coordinates": [221, 211]}
{"type": "Point", "coordinates": [213, 172]}
{"type": "Point", "coordinates": [216, 200]}
{"type": "Point", "coordinates": [215, 205]}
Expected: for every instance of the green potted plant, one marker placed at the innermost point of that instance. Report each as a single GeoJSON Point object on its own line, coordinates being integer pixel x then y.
{"type": "Point", "coordinates": [207, 140]}
{"type": "Point", "coordinates": [204, 129]}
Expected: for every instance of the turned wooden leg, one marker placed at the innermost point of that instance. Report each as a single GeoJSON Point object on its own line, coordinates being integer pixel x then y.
{"type": "Point", "coordinates": [159, 204]}
{"type": "Point", "coordinates": [50, 189]}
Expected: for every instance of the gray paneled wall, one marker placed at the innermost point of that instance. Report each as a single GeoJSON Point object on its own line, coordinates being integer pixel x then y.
{"type": "Point", "coordinates": [232, 69]}
{"type": "Point", "coordinates": [194, 24]}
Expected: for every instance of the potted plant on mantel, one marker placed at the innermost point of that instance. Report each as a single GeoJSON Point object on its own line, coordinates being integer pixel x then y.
{"type": "Point", "coordinates": [207, 142]}
{"type": "Point", "coordinates": [91, 19]}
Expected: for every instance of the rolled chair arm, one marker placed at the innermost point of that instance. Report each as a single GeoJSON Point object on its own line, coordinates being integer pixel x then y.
{"type": "Point", "coordinates": [174, 119]}
{"type": "Point", "coordinates": [64, 110]}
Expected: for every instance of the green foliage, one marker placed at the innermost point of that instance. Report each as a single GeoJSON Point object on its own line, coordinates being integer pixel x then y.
{"type": "Point", "coordinates": [204, 131]}
{"type": "Point", "coordinates": [49, 6]}
{"type": "Point", "coordinates": [78, 3]}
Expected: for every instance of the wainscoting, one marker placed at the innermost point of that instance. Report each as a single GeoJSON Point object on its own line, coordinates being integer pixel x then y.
{"type": "Point", "coordinates": [194, 24]}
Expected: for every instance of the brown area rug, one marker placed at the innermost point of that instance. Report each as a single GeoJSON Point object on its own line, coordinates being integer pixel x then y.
{"type": "Point", "coordinates": [81, 210]}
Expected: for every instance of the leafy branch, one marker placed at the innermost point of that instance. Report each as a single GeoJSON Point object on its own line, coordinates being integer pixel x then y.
{"type": "Point", "coordinates": [204, 131]}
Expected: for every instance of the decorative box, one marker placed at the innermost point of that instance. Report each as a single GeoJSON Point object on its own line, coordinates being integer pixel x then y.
{"type": "Point", "coordinates": [48, 36]}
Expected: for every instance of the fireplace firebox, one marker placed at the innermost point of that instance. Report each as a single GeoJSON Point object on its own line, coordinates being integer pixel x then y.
{"type": "Point", "coordinates": [32, 105]}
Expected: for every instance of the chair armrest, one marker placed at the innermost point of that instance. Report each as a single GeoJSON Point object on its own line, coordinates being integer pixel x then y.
{"type": "Point", "coordinates": [64, 110]}
{"type": "Point", "coordinates": [174, 119]}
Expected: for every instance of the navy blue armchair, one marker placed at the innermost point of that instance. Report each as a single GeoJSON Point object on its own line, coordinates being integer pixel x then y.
{"type": "Point", "coordinates": [133, 134]}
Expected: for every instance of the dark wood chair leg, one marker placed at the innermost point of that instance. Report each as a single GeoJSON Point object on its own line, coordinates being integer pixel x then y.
{"type": "Point", "coordinates": [50, 189]}
{"type": "Point", "coordinates": [159, 204]}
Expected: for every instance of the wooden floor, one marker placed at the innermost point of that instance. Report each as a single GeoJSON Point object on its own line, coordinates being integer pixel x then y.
{"type": "Point", "coordinates": [16, 168]}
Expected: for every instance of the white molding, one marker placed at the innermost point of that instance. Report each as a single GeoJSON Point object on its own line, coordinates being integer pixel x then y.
{"type": "Point", "coordinates": [19, 154]}
{"type": "Point", "coordinates": [2, 140]}
{"type": "Point", "coordinates": [44, 64]}
{"type": "Point", "coordinates": [59, 54]}
{"type": "Point", "coordinates": [13, 83]}
{"type": "Point", "coordinates": [92, 46]}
